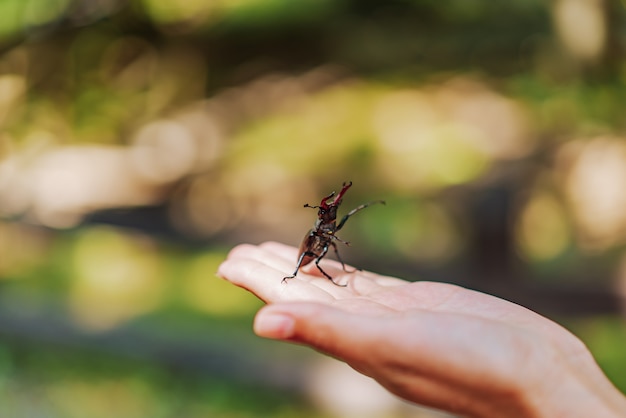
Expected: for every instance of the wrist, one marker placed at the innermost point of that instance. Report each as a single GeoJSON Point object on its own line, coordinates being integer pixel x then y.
{"type": "Point", "coordinates": [560, 385]}
{"type": "Point", "coordinates": [574, 386]}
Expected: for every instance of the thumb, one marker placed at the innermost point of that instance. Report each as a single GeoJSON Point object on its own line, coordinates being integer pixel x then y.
{"type": "Point", "coordinates": [327, 329]}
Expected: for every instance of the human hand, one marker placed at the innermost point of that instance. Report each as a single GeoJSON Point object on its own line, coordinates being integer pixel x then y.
{"type": "Point", "coordinates": [435, 344]}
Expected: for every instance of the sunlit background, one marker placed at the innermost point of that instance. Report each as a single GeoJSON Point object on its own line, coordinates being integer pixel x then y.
{"type": "Point", "coordinates": [141, 139]}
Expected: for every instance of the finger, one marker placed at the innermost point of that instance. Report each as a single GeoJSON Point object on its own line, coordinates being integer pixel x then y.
{"type": "Point", "coordinates": [283, 258]}
{"type": "Point", "coordinates": [267, 283]}
{"type": "Point", "coordinates": [286, 251]}
{"type": "Point", "coordinates": [363, 282]}
{"type": "Point", "coordinates": [265, 254]}
{"type": "Point", "coordinates": [284, 261]}
{"type": "Point", "coordinates": [426, 343]}
{"type": "Point", "coordinates": [356, 339]}
{"type": "Point", "coordinates": [331, 330]}
{"type": "Point", "coordinates": [332, 267]}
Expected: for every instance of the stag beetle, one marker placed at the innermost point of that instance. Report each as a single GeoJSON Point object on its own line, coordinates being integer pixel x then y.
{"type": "Point", "coordinates": [315, 244]}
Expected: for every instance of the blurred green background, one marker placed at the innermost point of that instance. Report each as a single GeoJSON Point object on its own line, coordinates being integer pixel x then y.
{"type": "Point", "coordinates": [141, 139]}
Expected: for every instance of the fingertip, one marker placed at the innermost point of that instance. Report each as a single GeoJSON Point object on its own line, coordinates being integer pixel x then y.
{"type": "Point", "coordinates": [273, 244]}
{"type": "Point", "coordinates": [230, 267]}
{"type": "Point", "coordinates": [322, 327]}
{"type": "Point", "coordinates": [269, 323]}
{"type": "Point", "coordinates": [241, 250]}
{"type": "Point", "coordinates": [222, 270]}
{"type": "Point", "coordinates": [285, 250]}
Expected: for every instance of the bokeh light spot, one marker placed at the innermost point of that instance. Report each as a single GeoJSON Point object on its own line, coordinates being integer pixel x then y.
{"type": "Point", "coordinates": [542, 231]}
{"type": "Point", "coordinates": [116, 278]}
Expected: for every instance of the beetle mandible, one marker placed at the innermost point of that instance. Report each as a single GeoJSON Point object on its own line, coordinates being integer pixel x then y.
{"type": "Point", "coordinates": [316, 243]}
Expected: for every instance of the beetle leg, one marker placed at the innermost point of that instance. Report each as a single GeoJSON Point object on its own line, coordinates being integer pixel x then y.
{"type": "Point", "coordinates": [317, 264]}
{"type": "Point", "coordinates": [341, 241]}
{"type": "Point", "coordinates": [343, 266]}
{"type": "Point", "coordinates": [300, 259]}
{"type": "Point", "coordinates": [355, 210]}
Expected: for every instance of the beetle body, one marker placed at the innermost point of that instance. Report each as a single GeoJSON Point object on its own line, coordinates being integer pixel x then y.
{"type": "Point", "coordinates": [312, 246]}
{"type": "Point", "coordinates": [316, 243]}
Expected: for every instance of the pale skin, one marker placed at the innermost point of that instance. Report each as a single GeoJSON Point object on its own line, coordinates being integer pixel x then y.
{"type": "Point", "coordinates": [434, 344]}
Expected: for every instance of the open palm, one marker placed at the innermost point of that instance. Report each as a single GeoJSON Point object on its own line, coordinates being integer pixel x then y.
{"type": "Point", "coordinates": [260, 269]}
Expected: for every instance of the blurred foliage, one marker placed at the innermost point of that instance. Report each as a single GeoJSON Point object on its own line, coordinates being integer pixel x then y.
{"type": "Point", "coordinates": [606, 338]}
{"type": "Point", "coordinates": [57, 383]}
{"type": "Point", "coordinates": [141, 139]}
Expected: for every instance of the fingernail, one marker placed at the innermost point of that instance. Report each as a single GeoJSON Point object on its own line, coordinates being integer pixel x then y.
{"type": "Point", "coordinates": [274, 325]}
